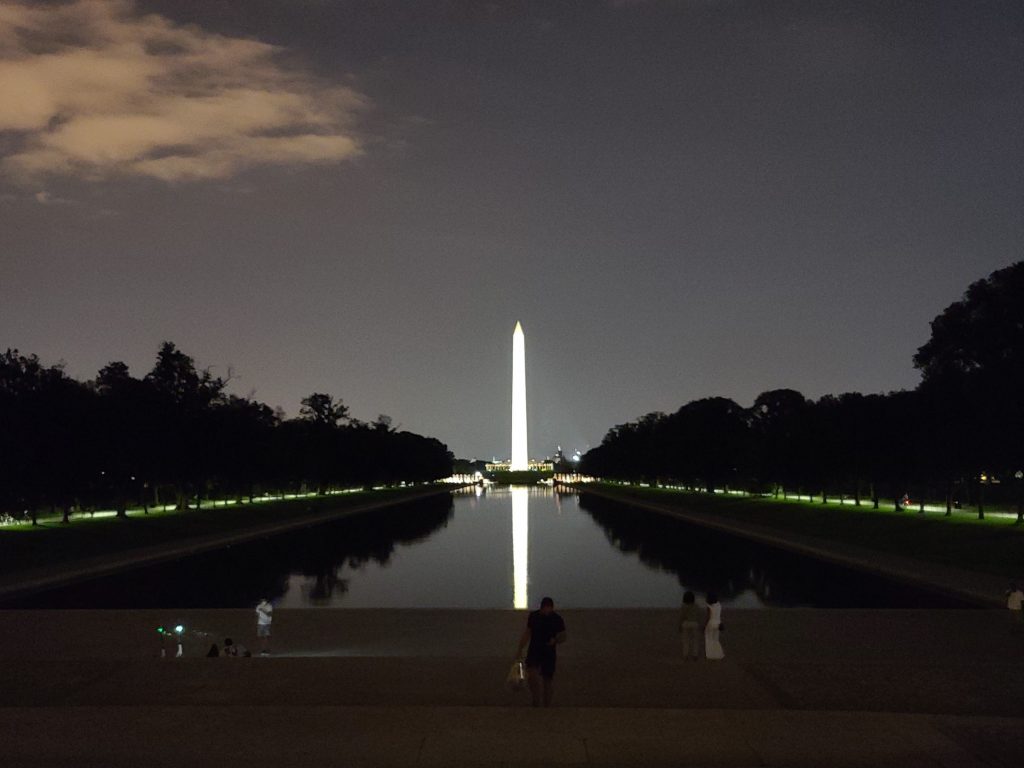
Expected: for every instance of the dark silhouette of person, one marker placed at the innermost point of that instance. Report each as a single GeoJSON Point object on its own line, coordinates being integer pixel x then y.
{"type": "Point", "coordinates": [214, 652]}
{"type": "Point", "coordinates": [545, 630]}
{"type": "Point", "coordinates": [689, 624]}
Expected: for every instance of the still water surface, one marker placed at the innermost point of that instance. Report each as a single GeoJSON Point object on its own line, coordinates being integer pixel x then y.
{"type": "Point", "coordinates": [493, 548]}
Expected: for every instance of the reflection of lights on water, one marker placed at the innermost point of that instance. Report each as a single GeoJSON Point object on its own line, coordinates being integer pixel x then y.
{"type": "Point", "coordinates": [746, 598]}
{"type": "Point", "coordinates": [520, 545]}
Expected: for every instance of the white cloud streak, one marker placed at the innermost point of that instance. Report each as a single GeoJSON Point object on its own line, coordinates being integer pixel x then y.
{"type": "Point", "coordinates": [45, 198]}
{"type": "Point", "coordinates": [92, 89]}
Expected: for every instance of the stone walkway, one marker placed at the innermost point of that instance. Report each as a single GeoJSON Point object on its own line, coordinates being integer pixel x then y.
{"type": "Point", "coordinates": [424, 687]}
{"type": "Point", "coordinates": [475, 736]}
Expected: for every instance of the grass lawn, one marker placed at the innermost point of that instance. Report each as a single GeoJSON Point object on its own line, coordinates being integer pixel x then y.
{"type": "Point", "coordinates": [51, 543]}
{"type": "Point", "coordinates": [994, 545]}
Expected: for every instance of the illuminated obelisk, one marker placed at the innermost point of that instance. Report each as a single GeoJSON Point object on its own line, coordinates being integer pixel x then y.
{"type": "Point", "coordinates": [520, 455]}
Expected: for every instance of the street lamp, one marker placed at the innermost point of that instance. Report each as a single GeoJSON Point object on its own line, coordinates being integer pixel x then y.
{"type": "Point", "coordinates": [1019, 474]}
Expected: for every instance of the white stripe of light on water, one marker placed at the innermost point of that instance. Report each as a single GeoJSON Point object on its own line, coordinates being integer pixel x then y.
{"type": "Point", "coordinates": [520, 545]}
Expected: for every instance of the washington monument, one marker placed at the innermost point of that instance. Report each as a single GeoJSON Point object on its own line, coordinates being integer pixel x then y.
{"type": "Point", "coordinates": [520, 454]}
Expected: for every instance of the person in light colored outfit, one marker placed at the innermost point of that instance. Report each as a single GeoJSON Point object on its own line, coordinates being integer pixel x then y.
{"type": "Point", "coordinates": [712, 628]}
{"type": "Point", "coordinates": [264, 617]}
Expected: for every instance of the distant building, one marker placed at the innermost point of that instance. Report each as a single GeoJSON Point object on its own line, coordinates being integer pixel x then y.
{"type": "Point", "coordinates": [533, 466]}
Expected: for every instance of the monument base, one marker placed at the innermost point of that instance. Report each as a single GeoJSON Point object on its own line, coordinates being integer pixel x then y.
{"type": "Point", "coordinates": [523, 477]}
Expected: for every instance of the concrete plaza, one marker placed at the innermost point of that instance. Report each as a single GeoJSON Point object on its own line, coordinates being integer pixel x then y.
{"type": "Point", "coordinates": [391, 687]}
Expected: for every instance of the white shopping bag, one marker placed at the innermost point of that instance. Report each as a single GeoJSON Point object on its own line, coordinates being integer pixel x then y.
{"type": "Point", "coordinates": [516, 676]}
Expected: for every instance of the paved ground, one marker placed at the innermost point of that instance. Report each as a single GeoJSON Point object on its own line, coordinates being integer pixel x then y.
{"type": "Point", "coordinates": [461, 736]}
{"type": "Point", "coordinates": [383, 687]}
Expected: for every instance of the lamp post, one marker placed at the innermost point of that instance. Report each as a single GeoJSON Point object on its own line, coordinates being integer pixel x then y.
{"type": "Point", "coordinates": [1019, 474]}
{"type": "Point", "coordinates": [982, 479]}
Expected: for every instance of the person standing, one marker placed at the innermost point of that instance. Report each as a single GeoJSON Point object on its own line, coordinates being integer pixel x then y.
{"type": "Point", "coordinates": [545, 630]}
{"type": "Point", "coordinates": [264, 617]}
{"type": "Point", "coordinates": [1015, 602]}
{"type": "Point", "coordinates": [712, 628]}
{"type": "Point", "coordinates": [689, 622]}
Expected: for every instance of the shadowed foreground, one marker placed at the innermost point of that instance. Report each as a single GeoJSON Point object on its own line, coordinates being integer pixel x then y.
{"type": "Point", "coordinates": [798, 687]}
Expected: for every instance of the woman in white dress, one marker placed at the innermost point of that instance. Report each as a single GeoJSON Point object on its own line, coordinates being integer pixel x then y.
{"type": "Point", "coordinates": [712, 624]}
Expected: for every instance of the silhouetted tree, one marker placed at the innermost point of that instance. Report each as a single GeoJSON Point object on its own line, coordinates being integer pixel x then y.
{"type": "Point", "coordinates": [322, 409]}
{"type": "Point", "coordinates": [182, 412]}
{"type": "Point", "coordinates": [128, 434]}
{"type": "Point", "coordinates": [117, 440]}
{"type": "Point", "coordinates": [973, 373]}
{"type": "Point", "coordinates": [709, 442]}
{"type": "Point", "coordinates": [779, 420]}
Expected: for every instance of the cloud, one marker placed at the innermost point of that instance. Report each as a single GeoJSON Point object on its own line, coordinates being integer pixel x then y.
{"type": "Point", "coordinates": [45, 198]}
{"type": "Point", "coordinates": [95, 90]}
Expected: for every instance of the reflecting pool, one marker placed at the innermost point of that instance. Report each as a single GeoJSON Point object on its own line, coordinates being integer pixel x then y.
{"type": "Point", "coordinates": [497, 547]}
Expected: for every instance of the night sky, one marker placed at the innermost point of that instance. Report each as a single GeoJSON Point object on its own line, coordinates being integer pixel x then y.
{"type": "Point", "coordinates": [678, 199]}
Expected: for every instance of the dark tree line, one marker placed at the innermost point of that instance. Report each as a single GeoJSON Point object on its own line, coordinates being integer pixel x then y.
{"type": "Point", "coordinates": [176, 436]}
{"type": "Point", "coordinates": [958, 436]}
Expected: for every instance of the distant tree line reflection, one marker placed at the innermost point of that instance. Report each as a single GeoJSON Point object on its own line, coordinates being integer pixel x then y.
{"type": "Point", "coordinates": [241, 575]}
{"type": "Point", "coordinates": [741, 572]}
{"type": "Point", "coordinates": [357, 542]}
{"type": "Point", "coordinates": [956, 438]}
{"type": "Point", "coordinates": [175, 436]}
{"type": "Point", "coordinates": [694, 555]}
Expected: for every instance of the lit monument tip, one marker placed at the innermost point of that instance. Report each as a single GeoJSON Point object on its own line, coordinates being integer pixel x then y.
{"type": "Point", "coordinates": [520, 455]}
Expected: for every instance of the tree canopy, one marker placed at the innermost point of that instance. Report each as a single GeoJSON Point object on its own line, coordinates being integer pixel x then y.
{"type": "Point", "coordinates": [960, 431]}
{"type": "Point", "coordinates": [174, 436]}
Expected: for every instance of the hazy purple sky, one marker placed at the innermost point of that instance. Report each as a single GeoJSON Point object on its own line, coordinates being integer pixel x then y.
{"type": "Point", "coordinates": [677, 199]}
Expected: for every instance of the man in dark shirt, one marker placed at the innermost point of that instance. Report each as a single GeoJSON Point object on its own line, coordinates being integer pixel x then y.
{"type": "Point", "coordinates": [545, 630]}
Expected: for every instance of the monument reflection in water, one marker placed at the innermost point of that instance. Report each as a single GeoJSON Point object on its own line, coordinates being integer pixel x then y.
{"type": "Point", "coordinates": [520, 546]}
